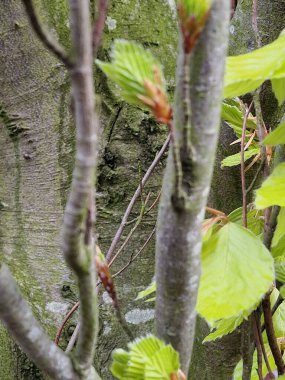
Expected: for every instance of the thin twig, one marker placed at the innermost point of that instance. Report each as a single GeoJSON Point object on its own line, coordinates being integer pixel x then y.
{"type": "Point", "coordinates": [271, 335]}
{"type": "Point", "coordinates": [99, 25]}
{"type": "Point", "coordinates": [63, 323]}
{"type": "Point", "coordinates": [242, 168]}
{"type": "Point", "coordinates": [135, 197]}
{"type": "Point", "coordinates": [257, 319]}
{"type": "Point", "coordinates": [258, 348]}
{"type": "Point", "coordinates": [132, 259]}
{"type": "Point", "coordinates": [43, 35]}
{"type": "Point", "coordinates": [258, 171]}
{"type": "Point", "coordinates": [274, 309]}
{"type": "Point", "coordinates": [130, 234]}
{"type": "Point", "coordinates": [75, 307]}
{"type": "Point", "coordinates": [73, 339]}
{"type": "Point", "coordinates": [155, 202]}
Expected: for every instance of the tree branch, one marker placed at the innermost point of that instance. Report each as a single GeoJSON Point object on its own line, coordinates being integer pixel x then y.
{"type": "Point", "coordinates": [178, 241]}
{"type": "Point", "coordinates": [78, 247]}
{"type": "Point", "coordinates": [22, 325]}
{"type": "Point", "coordinates": [44, 36]}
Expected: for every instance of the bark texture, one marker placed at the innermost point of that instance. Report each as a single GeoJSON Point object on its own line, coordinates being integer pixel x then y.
{"type": "Point", "coordinates": [36, 162]}
{"type": "Point", "coordinates": [217, 360]}
{"type": "Point", "coordinates": [178, 242]}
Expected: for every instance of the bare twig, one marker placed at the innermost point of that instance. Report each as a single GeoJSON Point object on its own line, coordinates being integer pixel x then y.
{"type": "Point", "coordinates": [274, 309]}
{"type": "Point", "coordinates": [46, 39]}
{"type": "Point", "coordinates": [271, 335]}
{"type": "Point", "coordinates": [242, 168]}
{"type": "Point", "coordinates": [258, 171]}
{"type": "Point", "coordinates": [257, 321]}
{"type": "Point", "coordinates": [155, 202]}
{"type": "Point", "coordinates": [63, 323]}
{"type": "Point", "coordinates": [22, 325]}
{"type": "Point", "coordinates": [73, 339]}
{"type": "Point", "coordinates": [130, 234]}
{"type": "Point", "coordinates": [99, 25]}
{"type": "Point", "coordinates": [258, 349]}
{"type": "Point", "coordinates": [135, 197]}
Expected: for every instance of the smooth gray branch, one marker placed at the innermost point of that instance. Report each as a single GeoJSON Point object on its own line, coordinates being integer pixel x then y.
{"type": "Point", "coordinates": [178, 241]}
{"type": "Point", "coordinates": [79, 251]}
{"type": "Point", "coordinates": [22, 325]}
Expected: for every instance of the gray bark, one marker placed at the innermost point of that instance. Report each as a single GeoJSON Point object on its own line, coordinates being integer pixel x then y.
{"type": "Point", "coordinates": [36, 166]}
{"type": "Point", "coordinates": [178, 242]}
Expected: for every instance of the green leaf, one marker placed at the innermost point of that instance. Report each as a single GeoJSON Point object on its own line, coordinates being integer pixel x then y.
{"type": "Point", "coordinates": [280, 228]}
{"type": "Point", "coordinates": [244, 73]}
{"type": "Point", "coordinates": [148, 359]}
{"type": "Point", "coordinates": [229, 260]}
{"type": "Point", "coordinates": [276, 137]}
{"type": "Point", "coordinates": [279, 249]}
{"type": "Point", "coordinates": [233, 115]}
{"type": "Point", "coordinates": [236, 158]}
{"type": "Point", "coordinates": [255, 220]}
{"type": "Point", "coordinates": [272, 191]}
{"type": "Point", "coordinates": [224, 327]}
{"type": "Point", "coordinates": [146, 292]}
{"type": "Point", "coordinates": [279, 315]}
{"type": "Point", "coordinates": [131, 66]}
{"type": "Point", "coordinates": [279, 262]}
{"type": "Point", "coordinates": [278, 86]}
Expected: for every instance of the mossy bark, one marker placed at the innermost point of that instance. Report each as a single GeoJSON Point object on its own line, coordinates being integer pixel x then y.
{"type": "Point", "coordinates": [36, 162]}
{"type": "Point", "coordinates": [217, 360]}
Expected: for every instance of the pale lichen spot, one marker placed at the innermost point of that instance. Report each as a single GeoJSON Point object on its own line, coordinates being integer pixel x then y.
{"type": "Point", "coordinates": [172, 6]}
{"type": "Point", "coordinates": [111, 23]}
{"type": "Point", "coordinates": [57, 307]}
{"type": "Point", "coordinates": [106, 298]}
{"type": "Point", "coordinates": [232, 29]}
{"type": "Point", "coordinates": [137, 316]}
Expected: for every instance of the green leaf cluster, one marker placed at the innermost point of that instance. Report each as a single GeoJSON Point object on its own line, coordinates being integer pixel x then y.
{"type": "Point", "coordinates": [148, 358]}
{"type": "Point", "coordinates": [131, 66]}
{"type": "Point", "coordinates": [244, 73]}
{"type": "Point", "coordinates": [272, 191]}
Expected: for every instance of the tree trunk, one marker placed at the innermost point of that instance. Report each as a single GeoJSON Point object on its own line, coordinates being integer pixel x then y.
{"type": "Point", "coordinates": [36, 162]}
{"type": "Point", "coordinates": [217, 360]}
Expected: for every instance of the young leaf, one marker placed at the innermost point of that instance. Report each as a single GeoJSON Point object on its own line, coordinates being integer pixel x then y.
{"type": "Point", "coordinates": [244, 73]}
{"type": "Point", "coordinates": [278, 86]}
{"type": "Point", "coordinates": [272, 191]}
{"type": "Point", "coordinates": [146, 292]}
{"type": "Point", "coordinates": [235, 159]}
{"type": "Point", "coordinates": [224, 327]}
{"type": "Point", "coordinates": [140, 77]}
{"type": "Point", "coordinates": [276, 137]}
{"type": "Point", "coordinates": [279, 262]}
{"type": "Point", "coordinates": [148, 359]}
{"type": "Point", "coordinates": [255, 220]}
{"type": "Point", "coordinates": [228, 286]}
{"type": "Point", "coordinates": [279, 315]}
{"type": "Point", "coordinates": [280, 228]}
{"type": "Point", "coordinates": [233, 115]}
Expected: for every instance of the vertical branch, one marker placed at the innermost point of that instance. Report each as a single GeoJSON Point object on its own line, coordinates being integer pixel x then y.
{"type": "Point", "coordinates": [242, 168]}
{"type": "Point", "coordinates": [178, 240]}
{"type": "Point", "coordinates": [99, 25]}
{"type": "Point", "coordinates": [78, 247]}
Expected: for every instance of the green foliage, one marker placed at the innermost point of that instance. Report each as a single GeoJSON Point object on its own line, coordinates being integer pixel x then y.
{"type": "Point", "coordinates": [279, 315]}
{"type": "Point", "coordinates": [229, 259]}
{"type": "Point", "coordinates": [194, 8]}
{"type": "Point", "coordinates": [233, 115]}
{"type": "Point", "coordinates": [235, 159]}
{"type": "Point", "coordinates": [279, 263]}
{"type": "Point", "coordinates": [139, 76]}
{"type": "Point", "coordinates": [244, 73]}
{"type": "Point", "coordinates": [148, 291]}
{"type": "Point", "coordinates": [278, 86]}
{"type": "Point", "coordinates": [255, 219]}
{"type": "Point", "coordinates": [280, 228]}
{"type": "Point", "coordinates": [147, 359]}
{"type": "Point", "coordinates": [272, 191]}
{"type": "Point", "coordinates": [277, 136]}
